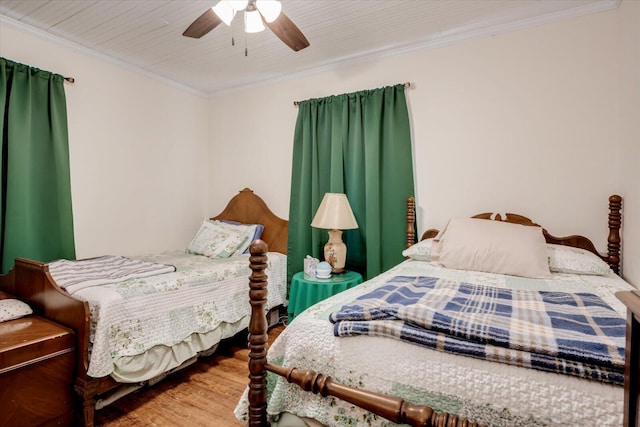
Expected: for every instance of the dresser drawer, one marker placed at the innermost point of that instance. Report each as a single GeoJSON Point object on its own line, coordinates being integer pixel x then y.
{"type": "Point", "coordinates": [36, 372]}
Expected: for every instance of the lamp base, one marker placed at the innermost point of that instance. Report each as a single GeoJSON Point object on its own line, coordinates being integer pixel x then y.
{"type": "Point", "coordinates": [335, 252]}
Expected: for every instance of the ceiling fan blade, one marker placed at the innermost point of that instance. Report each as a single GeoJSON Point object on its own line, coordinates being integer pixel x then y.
{"type": "Point", "coordinates": [201, 26]}
{"type": "Point", "coordinates": [286, 30]}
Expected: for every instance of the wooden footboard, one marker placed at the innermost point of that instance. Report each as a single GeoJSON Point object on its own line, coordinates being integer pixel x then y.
{"type": "Point", "coordinates": [389, 407]}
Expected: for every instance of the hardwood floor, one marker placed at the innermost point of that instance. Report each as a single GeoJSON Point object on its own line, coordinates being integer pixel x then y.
{"type": "Point", "coordinates": [203, 394]}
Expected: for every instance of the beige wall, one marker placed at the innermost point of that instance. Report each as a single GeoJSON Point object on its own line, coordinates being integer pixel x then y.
{"type": "Point", "coordinates": [525, 122]}
{"type": "Point", "coordinates": [542, 121]}
{"type": "Point", "coordinates": [629, 108]}
{"type": "Point", "coordinates": [138, 151]}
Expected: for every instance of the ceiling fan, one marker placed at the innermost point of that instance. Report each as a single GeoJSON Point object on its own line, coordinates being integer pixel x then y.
{"type": "Point", "coordinates": [257, 13]}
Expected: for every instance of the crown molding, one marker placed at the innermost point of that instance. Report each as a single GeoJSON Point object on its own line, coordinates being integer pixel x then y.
{"type": "Point", "coordinates": [478, 30]}
{"type": "Point", "coordinates": [90, 52]}
{"type": "Point", "coordinates": [486, 28]}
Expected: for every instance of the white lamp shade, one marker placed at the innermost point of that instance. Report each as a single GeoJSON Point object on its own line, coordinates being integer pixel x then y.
{"type": "Point", "coordinates": [334, 213]}
{"type": "Point", "coordinates": [224, 11]}
{"type": "Point", "coordinates": [253, 22]}
{"type": "Point", "coordinates": [270, 9]}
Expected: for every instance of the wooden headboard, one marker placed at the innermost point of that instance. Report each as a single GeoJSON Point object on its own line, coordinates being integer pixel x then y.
{"type": "Point", "coordinates": [613, 240]}
{"type": "Point", "coordinates": [247, 208]}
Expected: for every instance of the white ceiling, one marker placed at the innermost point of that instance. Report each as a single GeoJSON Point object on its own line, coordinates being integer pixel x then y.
{"type": "Point", "coordinates": [146, 35]}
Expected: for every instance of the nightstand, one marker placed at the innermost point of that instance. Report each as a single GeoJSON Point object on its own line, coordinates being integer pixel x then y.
{"type": "Point", "coordinates": [306, 292]}
{"type": "Point", "coordinates": [37, 359]}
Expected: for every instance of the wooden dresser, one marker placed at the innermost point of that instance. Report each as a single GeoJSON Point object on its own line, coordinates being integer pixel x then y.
{"type": "Point", "coordinates": [36, 373]}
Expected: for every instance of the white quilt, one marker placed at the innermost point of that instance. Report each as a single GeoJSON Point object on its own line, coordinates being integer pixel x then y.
{"type": "Point", "coordinates": [131, 317]}
{"type": "Point", "coordinates": [491, 393]}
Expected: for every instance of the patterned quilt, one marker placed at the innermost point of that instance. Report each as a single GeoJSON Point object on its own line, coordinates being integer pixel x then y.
{"type": "Point", "coordinates": [570, 333]}
{"type": "Point", "coordinates": [495, 394]}
{"type": "Point", "coordinates": [130, 317]}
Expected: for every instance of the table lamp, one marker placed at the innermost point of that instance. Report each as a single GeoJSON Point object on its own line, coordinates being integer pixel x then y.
{"type": "Point", "coordinates": [335, 215]}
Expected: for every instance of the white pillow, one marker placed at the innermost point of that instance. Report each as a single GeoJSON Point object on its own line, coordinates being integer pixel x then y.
{"type": "Point", "coordinates": [420, 251]}
{"type": "Point", "coordinates": [214, 240]}
{"type": "Point", "coordinates": [494, 247]}
{"type": "Point", "coordinates": [567, 259]}
{"type": "Point", "coordinates": [13, 309]}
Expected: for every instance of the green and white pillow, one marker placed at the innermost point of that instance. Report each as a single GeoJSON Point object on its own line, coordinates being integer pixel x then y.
{"type": "Point", "coordinates": [215, 240]}
{"type": "Point", "coordinates": [13, 309]}
{"type": "Point", "coordinates": [249, 231]}
{"type": "Point", "coordinates": [567, 259]}
{"type": "Point", "coordinates": [420, 251]}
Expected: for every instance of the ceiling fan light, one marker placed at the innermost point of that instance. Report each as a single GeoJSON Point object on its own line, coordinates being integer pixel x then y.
{"type": "Point", "coordinates": [253, 22]}
{"type": "Point", "coordinates": [224, 11]}
{"type": "Point", "coordinates": [238, 5]}
{"type": "Point", "coordinates": [270, 9]}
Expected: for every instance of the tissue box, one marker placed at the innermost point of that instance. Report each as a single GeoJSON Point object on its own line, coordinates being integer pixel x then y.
{"type": "Point", "coordinates": [310, 265]}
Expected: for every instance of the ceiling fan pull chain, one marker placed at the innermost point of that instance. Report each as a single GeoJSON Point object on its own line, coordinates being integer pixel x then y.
{"type": "Point", "coordinates": [246, 47]}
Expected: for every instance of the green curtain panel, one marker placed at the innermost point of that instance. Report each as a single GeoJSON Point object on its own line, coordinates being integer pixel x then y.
{"type": "Point", "coordinates": [358, 144]}
{"type": "Point", "coordinates": [35, 199]}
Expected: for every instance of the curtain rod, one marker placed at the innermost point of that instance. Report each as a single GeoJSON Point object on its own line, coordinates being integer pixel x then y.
{"type": "Point", "coordinates": [67, 79]}
{"type": "Point", "coordinates": [407, 85]}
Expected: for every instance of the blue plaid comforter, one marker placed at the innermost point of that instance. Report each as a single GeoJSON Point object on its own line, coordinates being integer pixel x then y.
{"type": "Point", "coordinates": [575, 334]}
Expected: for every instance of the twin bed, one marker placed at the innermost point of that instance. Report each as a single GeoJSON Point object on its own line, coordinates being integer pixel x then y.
{"type": "Point", "coordinates": [138, 319]}
{"type": "Point", "coordinates": [370, 344]}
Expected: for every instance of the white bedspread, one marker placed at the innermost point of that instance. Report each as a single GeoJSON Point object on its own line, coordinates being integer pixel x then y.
{"type": "Point", "coordinates": [130, 317]}
{"type": "Point", "coordinates": [488, 392]}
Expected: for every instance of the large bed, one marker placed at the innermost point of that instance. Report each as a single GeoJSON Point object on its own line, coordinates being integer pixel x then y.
{"type": "Point", "coordinates": [399, 380]}
{"type": "Point", "coordinates": [145, 317]}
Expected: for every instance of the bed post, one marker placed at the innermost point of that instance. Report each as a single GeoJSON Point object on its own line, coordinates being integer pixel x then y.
{"type": "Point", "coordinates": [613, 241]}
{"type": "Point", "coordinates": [411, 220]}
{"type": "Point", "coordinates": [258, 335]}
